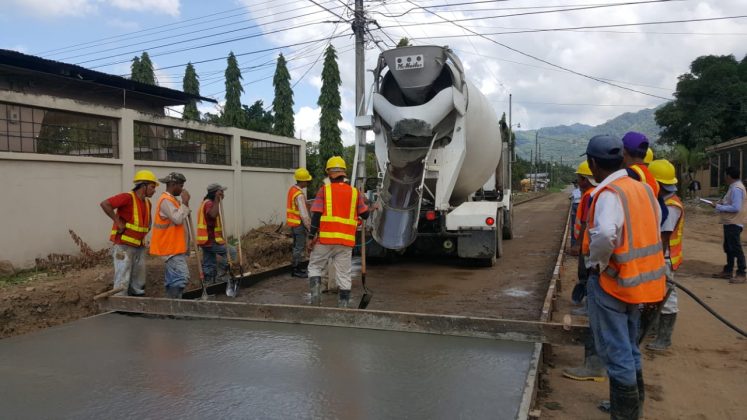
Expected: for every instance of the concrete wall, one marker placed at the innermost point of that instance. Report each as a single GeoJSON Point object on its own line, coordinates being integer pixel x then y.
{"type": "Point", "coordinates": [43, 196]}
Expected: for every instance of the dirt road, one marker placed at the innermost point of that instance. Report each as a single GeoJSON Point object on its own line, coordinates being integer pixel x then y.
{"type": "Point", "coordinates": [514, 288]}
{"type": "Point", "coordinates": [702, 376]}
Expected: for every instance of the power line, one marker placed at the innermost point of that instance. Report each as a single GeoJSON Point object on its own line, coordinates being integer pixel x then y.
{"type": "Point", "coordinates": [342, 18]}
{"type": "Point", "coordinates": [192, 33]}
{"type": "Point", "coordinates": [547, 62]}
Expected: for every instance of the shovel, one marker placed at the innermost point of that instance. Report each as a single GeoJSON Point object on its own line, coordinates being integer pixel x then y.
{"type": "Point", "coordinates": [199, 259]}
{"type": "Point", "coordinates": [367, 294]}
{"type": "Point", "coordinates": [232, 287]}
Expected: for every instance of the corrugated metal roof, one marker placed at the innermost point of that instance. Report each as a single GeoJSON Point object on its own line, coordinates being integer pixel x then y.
{"type": "Point", "coordinates": [78, 73]}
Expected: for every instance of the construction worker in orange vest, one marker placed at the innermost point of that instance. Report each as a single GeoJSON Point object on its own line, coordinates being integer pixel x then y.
{"type": "Point", "coordinates": [637, 155]}
{"type": "Point", "coordinates": [334, 219]}
{"type": "Point", "coordinates": [671, 239]}
{"type": "Point", "coordinates": [170, 234]}
{"type": "Point", "coordinates": [130, 212]}
{"type": "Point", "coordinates": [297, 218]}
{"type": "Point", "coordinates": [210, 235]}
{"type": "Point", "coordinates": [623, 253]}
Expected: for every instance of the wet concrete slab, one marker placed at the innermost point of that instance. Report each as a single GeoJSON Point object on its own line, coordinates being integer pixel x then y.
{"type": "Point", "coordinates": [118, 366]}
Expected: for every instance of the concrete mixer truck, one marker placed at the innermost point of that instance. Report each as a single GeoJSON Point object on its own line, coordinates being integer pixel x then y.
{"type": "Point", "coordinates": [444, 171]}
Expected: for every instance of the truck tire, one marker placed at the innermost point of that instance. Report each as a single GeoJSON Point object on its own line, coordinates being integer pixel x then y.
{"type": "Point", "coordinates": [508, 223]}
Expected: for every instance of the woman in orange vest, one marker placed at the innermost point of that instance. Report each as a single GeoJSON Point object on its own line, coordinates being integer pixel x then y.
{"type": "Point", "coordinates": [623, 252]}
{"type": "Point", "coordinates": [671, 238]}
{"type": "Point", "coordinates": [170, 236]}
{"type": "Point", "coordinates": [130, 212]}
{"type": "Point", "coordinates": [297, 218]}
{"type": "Point", "coordinates": [334, 219]}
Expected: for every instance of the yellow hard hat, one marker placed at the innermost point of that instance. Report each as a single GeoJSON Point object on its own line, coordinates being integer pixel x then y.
{"type": "Point", "coordinates": [663, 171]}
{"type": "Point", "coordinates": [649, 156]}
{"type": "Point", "coordinates": [336, 162]}
{"type": "Point", "coordinates": [145, 175]}
{"type": "Point", "coordinates": [302, 174]}
{"type": "Point", "coordinates": [583, 169]}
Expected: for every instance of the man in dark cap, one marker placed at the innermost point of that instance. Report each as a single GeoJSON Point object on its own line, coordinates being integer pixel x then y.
{"type": "Point", "coordinates": [210, 235]}
{"type": "Point", "coordinates": [623, 253]}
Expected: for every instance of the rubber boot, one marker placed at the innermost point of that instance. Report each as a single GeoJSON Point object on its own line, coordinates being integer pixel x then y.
{"type": "Point", "coordinates": [174, 292]}
{"type": "Point", "coordinates": [593, 368]}
{"type": "Point", "coordinates": [641, 392]}
{"type": "Point", "coordinates": [664, 333]}
{"type": "Point", "coordinates": [624, 401]}
{"type": "Point", "coordinates": [315, 285]}
{"type": "Point", "coordinates": [343, 300]}
{"type": "Point", "coordinates": [298, 272]}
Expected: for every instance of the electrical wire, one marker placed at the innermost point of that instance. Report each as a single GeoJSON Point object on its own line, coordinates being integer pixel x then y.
{"type": "Point", "coordinates": [548, 62]}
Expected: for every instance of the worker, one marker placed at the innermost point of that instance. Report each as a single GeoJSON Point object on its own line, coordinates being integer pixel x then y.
{"type": "Point", "coordinates": [637, 155]}
{"type": "Point", "coordinates": [592, 368]}
{"type": "Point", "coordinates": [575, 198]}
{"type": "Point", "coordinates": [625, 262]}
{"type": "Point", "coordinates": [732, 211]}
{"type": "Point", "coordinates": [210, 235]}
{"type": "Point", "coordinates": [297, 218]}
{"type": "Point", "coordinates": [170, 235]}
{"type": "Point", "coordinates": [671, 239]}
{"type": "Point", "coordinates": [130, 212]}
{"type": "Point", "coordinates": [334, 218]}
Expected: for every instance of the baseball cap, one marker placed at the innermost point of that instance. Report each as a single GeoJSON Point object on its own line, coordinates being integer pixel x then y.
{"type": "Point", "coordinates": [635, 141]}
{"type": "Point", "coordinates": [604, 146]}
{"type": "Point", "coordinates": [215, 187]}
{"type": "Point", "coordinates": [173, 177]}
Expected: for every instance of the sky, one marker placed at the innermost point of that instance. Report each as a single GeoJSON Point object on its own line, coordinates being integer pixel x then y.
{"type": "Point", "coordinates": [575, 75]}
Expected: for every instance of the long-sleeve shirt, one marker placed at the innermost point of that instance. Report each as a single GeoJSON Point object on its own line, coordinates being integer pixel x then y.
{"type": "Point", "coordinates": [575, 196]}
{"type": "Point", "coordinates": [606, 233]}
{"type": "Point", "coordinates": [732, 201]}
{"type": "Point", "coordinates": [303, 209]}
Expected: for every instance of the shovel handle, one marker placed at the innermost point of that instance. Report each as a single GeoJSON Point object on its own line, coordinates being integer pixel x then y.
{"type": "Point", "coordinates": [108, 293]}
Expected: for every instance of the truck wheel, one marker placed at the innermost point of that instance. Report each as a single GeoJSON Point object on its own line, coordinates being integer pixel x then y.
{"type": "Point", "coordinates": [508, 223]}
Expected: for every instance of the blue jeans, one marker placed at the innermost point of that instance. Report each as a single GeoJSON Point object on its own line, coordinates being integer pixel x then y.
{"type": "Point", "coordinates": [614, 325]}
{"type": "Point", "coordinates": [177, 272]}
{"type": "Point", "coordinates": [210, 259]}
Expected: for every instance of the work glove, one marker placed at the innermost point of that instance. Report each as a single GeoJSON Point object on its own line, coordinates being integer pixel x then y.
{"type": "Point", "coordinates": [578, 293]}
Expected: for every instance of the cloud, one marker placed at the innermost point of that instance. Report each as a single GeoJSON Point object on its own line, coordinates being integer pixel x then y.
{"type": "Point", "coordinates": [57, 8]}
{"type": "Point", "coordinates": [168, 7]}
{"type": "Point", "coordinates": [126, 25]}
{"type": "Point", "coordinates": [307, 126]}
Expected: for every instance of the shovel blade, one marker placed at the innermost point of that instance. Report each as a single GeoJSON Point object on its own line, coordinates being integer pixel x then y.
{"type": "Point", "coordinates": [365, 300]}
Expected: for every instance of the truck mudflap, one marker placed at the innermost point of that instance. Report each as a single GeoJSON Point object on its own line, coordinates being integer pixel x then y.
{"type": "Point", "coordinates": [478, 244]}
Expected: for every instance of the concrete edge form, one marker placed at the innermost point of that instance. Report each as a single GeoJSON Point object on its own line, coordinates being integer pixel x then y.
{"type": "Point", "coordinates": [530, 389]}
{"type": "Point", "coordinates": [461, 326]}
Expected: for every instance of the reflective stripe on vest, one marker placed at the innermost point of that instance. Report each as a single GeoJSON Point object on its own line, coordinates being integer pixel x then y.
{"type": "Point", "coordinates": [340, 217]}
{"type": "Point", "coordinates": [636, 269]}
{"type": "Point", "coordinates": [168, 238]}
{"type": "Point", "coordinates": [675, 241]}
{"type": "Point", "coordinates": [134, 232]}
{"type": "Point", "coordinates": [202, 227]}
{"type": "Point", "coordinates": [292, 214]}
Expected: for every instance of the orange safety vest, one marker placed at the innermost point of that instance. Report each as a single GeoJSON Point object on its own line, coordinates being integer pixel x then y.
{"type": "Point", "coordinates": [202, 228]}
{"type": "Point", "coordinates": [168, 238]}
{"type": "Point", "coordinates": [636, 270]}
{"type": "Point", "coordinates": [292, 214]}
{"type": "Point", "coordinates": [134, 232]}
{"type": "Point", "coordinates": [340, 216]}
{"type": "Point", "coordinates": [675, 241]}
{"type": "Point", "coordinates": [581, 213]}
{"type": "Point", "coordinates": [646, 177]}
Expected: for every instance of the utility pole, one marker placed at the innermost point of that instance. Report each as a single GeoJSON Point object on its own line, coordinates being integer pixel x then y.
{"type": "Point", "coordinates": [359, 26]}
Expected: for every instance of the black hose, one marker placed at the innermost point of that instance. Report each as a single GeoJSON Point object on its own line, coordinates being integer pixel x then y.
{"type": "Point", "coordinates": [709, 309]}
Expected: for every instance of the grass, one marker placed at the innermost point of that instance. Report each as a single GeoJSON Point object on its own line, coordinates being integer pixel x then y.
{"type": "Point", "coordinates": [20, 277]}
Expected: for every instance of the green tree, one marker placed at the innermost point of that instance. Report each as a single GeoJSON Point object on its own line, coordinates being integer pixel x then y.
{"type": "Point", "coordinates": [403, 42]}
{"type": "Point", "coordinates": [330, 140]}
{"type": "Point", "coordinates": [257, 119]}
{"type": "Point", "coordinates": [191, 85]}
{"type": "Point", "coordinates": [142, 70]}
{"type": "Point", "coordinates": [282, 105]}
{"type": "Point", "coordinates": [710, 105]}
{"type": "Point", "coordinates": [233, 115]}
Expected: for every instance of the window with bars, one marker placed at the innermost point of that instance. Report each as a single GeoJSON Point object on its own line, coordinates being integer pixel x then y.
{"type": "Point", "coordinates": [173, 144]}
{"type": "Point", "coordinates": [31, 129]}
{"type": "Point", "coordinates": [269, 154]}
